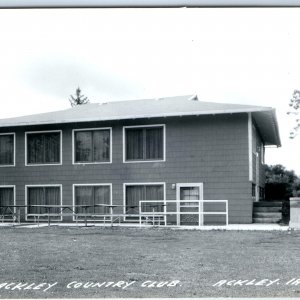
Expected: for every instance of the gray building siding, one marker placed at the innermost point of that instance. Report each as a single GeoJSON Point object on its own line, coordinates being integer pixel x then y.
{"type": "Point", "coordinates": [208, 149]}
{"type": "Point", "coordinates": [257, 152]}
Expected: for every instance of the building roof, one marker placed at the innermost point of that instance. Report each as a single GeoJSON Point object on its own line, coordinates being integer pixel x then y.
{"type": "Point", "coordinates": [189, 105]}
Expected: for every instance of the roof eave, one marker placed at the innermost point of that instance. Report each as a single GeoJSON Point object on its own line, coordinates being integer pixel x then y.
{"type": "Point", "coordinates": [268, 127]}
{"type": "Point", "coordinates": [144, 116]}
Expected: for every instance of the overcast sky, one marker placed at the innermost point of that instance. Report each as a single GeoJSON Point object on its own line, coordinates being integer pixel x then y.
{"type": "Point", "coordinates": [246, 56]}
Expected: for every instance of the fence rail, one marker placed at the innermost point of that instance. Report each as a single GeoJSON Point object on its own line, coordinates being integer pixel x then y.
{"type": "Point", "coordinates": [179, 205]}
{"type": "Point", "coordinates": [157, 212]}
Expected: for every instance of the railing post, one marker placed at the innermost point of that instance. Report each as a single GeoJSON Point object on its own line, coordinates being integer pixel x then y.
{"type": "Point", "coordinates": [178, 210]}
{"type": "Point", "coordinates": [153, 221]}
{"type": "Point", "coordinates": [295, 213]}
{"type": "Point", "coordinates": [165, 212]}
{"type": "Point", "coordinates": [199, 212]}
{"type": "Point", "coordinates": [226, 212]}
{"type": "Point", "coordinates": [140, 216]}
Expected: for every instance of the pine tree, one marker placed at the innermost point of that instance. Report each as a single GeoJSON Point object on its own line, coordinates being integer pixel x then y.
{"type": "Point", "coordinates": [78, 99]}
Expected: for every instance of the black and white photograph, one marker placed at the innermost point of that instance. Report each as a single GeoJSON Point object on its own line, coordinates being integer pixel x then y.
{"type": "Point", "coordinates": [149, 152]}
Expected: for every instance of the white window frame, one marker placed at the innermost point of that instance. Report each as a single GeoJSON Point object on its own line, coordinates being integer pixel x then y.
{"type": "Point", "coordinates": [47, 164]}
{"type": "Point", "coordinates": [189, 184]}
{"type": "Point", "coordinates": [89, 184]}
{"type": "Point", "coordinates": [144, 126]}
{"type": "Point", "coordinates": [14, 155]}
{"type": "Point", "coordinates": [14, 193]}
{"type": "Point", "coordinates": [40, 185]}
{"type": "Point", "coordinates": [140, 183]}
{"type": "Point", "coordinates": [92, 163]}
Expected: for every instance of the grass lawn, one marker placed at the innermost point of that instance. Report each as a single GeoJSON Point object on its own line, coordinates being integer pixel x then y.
{"type": "Point", "coordinates": [197, 259]}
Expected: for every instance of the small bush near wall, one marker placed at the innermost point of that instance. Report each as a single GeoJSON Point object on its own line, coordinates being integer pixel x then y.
{"type": "Point", "coordinates": [281, 184]}
{"type": "Point", "coordinates": [276, 191]}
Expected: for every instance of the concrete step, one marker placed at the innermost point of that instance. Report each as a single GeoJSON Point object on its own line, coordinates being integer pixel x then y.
{"type": "Point", "coordinates": [267, 215]}
{"type": "Point", "coordinates": [266, 220]}
{"type": "Point", "coordinates": [266, 209]}
{"type": "Point", "coordinates": [267, 204]}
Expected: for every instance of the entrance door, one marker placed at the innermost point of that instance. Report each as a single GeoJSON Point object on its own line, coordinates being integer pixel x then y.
{"type": "Point", "coordinates": [190, 192]}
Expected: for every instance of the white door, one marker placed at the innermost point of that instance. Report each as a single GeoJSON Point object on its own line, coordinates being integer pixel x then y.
{"type": "Point", "coordinates": [189, 192]}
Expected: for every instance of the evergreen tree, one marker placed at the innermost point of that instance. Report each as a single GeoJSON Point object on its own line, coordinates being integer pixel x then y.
{"type": "Point", "coordinates": [78, 99]}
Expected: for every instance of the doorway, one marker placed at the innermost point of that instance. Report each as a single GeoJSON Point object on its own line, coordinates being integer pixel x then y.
{"type": "Point", "coordinates": [189, 195]}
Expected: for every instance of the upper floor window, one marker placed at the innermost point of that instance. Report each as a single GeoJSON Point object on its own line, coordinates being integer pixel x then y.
{"type": "Point", "coordinates": [7, 145]}
{"type": "Point", "coordinates": [43, 147]}
{"type": "Point", "coordinates": [92, 145]}
{"type": "Point", "coordinates": [144, 143]}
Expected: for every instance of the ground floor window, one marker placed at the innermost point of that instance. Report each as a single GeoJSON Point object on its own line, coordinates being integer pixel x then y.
{"type": "Point", "coordinates": [134, 193]}
{"type": "Point", "coordinates": [43, 195]}
{"type": "Point", "coordinates": [92, 195]}
{"type": "Point", "coordinates": [6, 199]}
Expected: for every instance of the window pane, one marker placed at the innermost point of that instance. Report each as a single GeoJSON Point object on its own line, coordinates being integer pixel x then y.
{"type": "Point", "coordinates": [92, 146]}
{"type": "Point", "coordinates": [91, 195]}
{"type": "Point", "coordinates": [101, 145]}
{"type": "Point", "coordinates": [34, 149]}
{"type": "Point", "coordinates": [144, 143]}
{"type": "Point", "coordinates": [52, 148]}
{"type": "Point", "coordinates": [36, 197]}
{"type": "Point", "coordinates": [102, 196]}
{"type": "Point", "coordinates": [6, 149]}
{"type": "Point", "coordinates": [43, 196]}
{"type": "Point", "coordinates": [154, 192]}
{"type": "Point", "coordinates": [189, 193]}
{"type": "Point", "coordinates": [6, 198]}
{"type": "Point", "coordinates": [134, 144]}
{"type": "Point", "coordinates": [133, 196]}
{"type": "Point", "coordinates": [154, 143]}
{"type": "Point", "coordinates": [135, 193]}
{"type": "Point", "coordinates": [52, 197]}
{"type": "Point", "coordinates": [83, 145]}
{"type": "Point", "coordinates": [43, 148]}
{"type": "Point", "coordinates": [83, 196]}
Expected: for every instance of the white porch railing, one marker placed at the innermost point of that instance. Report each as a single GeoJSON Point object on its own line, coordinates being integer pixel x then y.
{"type": "Point", "coordinates": [181, 208]}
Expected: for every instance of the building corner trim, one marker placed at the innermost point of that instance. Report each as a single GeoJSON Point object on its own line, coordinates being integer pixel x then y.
{"type": "Point", "coordinates": [250, 146]}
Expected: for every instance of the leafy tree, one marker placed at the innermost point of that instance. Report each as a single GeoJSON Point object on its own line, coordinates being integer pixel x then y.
{"type": "Point", "coordinates": [78, 99]}
{"type": "Point", "coordinates": [281, 184]}
{"type": "Point", "coordinates": [295, 104]}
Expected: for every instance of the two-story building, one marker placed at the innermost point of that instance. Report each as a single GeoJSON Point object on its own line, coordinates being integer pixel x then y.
{"type": "Point", "coordinates": [120, 153]}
